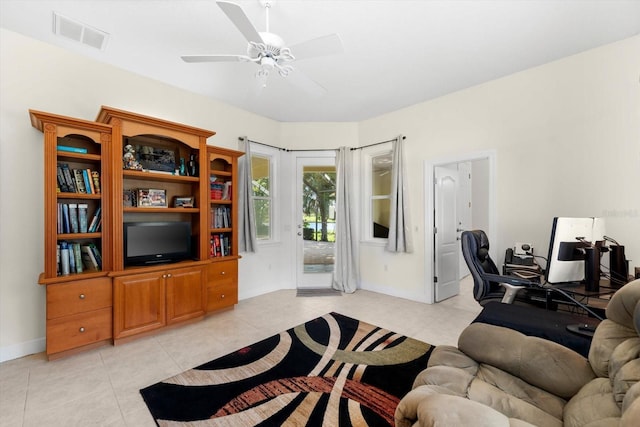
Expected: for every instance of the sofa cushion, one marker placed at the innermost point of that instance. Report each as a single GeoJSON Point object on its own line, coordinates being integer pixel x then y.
{"type": "Point", "coordinates": [624, 368]}
{"type": "Point", "coordinates": [424, 407]}
{"type": "Point", "coordinates": [509, 405]}
{"type": "Point", "coordinates": [623, 303]}
{"type": "Point", "coordinates": [593, 403]}
{"type": "Point", "coordinates": [516, 388]}
{"type": "Point", "coordinates": [544, 364]}
{"type": "Point", "coordinates": [446, 355]}
{"type": "Point", "coordinates": [607, 337]}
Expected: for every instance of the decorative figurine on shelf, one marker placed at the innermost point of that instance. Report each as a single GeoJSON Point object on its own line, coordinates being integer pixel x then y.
{"type": "Point", "coordinates": [129, 158]}
{"type": "Point", "coordinates": [193, 165]}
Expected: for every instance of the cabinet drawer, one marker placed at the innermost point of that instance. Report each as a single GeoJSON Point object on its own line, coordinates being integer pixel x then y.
{"type": "Point", "coordinates": [220, 272]}
{"type": "Point", "coordinates": [65, 299]}
{"type": "Point", "coordinates": [220, 296]}
{"type": "Point", "coordinates": [69, 332]}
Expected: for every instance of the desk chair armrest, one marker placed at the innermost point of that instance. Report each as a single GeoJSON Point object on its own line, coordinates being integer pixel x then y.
{"type": "Point", "coordinates": [511, 285]}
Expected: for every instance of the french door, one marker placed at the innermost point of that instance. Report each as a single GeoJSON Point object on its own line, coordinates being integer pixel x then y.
{"type": "Point", "coordinates": [315, 213]}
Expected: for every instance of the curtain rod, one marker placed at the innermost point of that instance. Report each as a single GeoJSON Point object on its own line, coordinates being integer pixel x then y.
{"type": "Point", "coordinates": [321, 149]}
{"type": "Point", "coordinates": [262, 143]}
{"type": "Point", "coordinates": [376, 143]}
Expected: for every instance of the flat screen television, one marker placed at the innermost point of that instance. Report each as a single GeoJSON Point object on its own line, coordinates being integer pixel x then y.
{"type": "Point", "coordinates": [566, 262]}
{"type": "Point", "coordinates": [147, 243]}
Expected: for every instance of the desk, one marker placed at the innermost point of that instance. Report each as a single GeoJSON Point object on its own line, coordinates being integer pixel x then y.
{"type": "Point", "coordinates": [595, 300]}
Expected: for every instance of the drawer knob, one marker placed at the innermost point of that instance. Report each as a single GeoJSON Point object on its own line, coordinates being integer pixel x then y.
{"type": "Point", "coordinates": [223, 273]}
{"type": "Point", "coordinates": [82, 296]}
{"type": "Point", "coordinates": [81, 329]}
{"type": "Point", "coordinates": [222, 296]}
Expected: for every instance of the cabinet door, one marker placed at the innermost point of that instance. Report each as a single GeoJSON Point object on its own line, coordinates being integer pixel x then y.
{"type": "Point", "coordinates": [185, 294]}
{"type": "Point", "coordinates": [139, 303]}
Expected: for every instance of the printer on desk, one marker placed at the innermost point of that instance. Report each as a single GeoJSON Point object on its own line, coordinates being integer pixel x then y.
{"type": "Point", "coordinates": [519, 261]}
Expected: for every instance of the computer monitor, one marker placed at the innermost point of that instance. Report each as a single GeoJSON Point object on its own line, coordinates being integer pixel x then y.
{"type": "Point", "coordinates": [566, 262]}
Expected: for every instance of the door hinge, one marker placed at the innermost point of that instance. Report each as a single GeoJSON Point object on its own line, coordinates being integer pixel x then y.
{"type": "Point", "coordinates": [435, 279]}
{"type": "Point", "coordinates": [435, 230]}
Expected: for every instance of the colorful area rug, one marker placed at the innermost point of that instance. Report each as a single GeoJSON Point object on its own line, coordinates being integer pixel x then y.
{"type": "Point", "coordinates": [331, 371]}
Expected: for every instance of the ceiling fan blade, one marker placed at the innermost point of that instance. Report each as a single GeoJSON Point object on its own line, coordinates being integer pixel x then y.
{"type": "Point", "coordinates": [215, 58]}
{"type": "Point", "coordinates": [235, 13]}
{"type": "Point", "coordinates": [322, 46]}
{"type": "Point", "coordinates": [300, 80]}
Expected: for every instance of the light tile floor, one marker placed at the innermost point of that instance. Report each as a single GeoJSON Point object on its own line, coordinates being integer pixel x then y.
{"type": "Point", "coordinates": [101, 387]}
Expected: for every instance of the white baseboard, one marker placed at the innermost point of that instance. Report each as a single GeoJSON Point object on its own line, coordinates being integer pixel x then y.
{"type": "Point", "coordinates": [254, 292]}
{"type": "Point", "coordinates": [22, 349]}
{"type": "Point", "coordinates": [394, 292]}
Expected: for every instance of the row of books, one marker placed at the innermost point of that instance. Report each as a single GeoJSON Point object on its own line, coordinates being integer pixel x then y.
{"type": "Point", "coordinates": [76, 258]}
{"type": "Point", "coordinates": [219, 245]}
{"type": "Point", "coordinates": [221, 217]}
{"type": "Point", "coordinates": [84, 181]}
{"type": "Point", "coordinates": [73, 218]}
{"type": "Point", "coordinates": [220, 190]}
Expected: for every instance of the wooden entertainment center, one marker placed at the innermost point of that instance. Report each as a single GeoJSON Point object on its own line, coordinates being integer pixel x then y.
{"type": "Point", "coordinates": [94, 297]}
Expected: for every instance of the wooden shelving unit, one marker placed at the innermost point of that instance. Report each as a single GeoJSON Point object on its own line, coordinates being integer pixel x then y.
{"type": "Point", "coordinates": [78, 303]}
{"type": "Point", "coordinates": [222, 283]}
{"type": "Point", "coordinates": [121, 302]}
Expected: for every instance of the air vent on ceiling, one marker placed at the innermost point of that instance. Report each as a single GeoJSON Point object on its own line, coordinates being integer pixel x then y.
{"type": "Point", "coordinates": [75, 30]}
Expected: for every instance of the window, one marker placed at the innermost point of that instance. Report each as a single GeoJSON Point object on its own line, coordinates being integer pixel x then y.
{"type": "Point", "coordinates": [262, 172]}
{"type": "Point", "coordinates": [377, 183]}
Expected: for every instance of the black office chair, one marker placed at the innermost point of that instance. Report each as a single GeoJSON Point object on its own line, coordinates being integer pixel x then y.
{"type": "Point", "coordinates": [488, 283]}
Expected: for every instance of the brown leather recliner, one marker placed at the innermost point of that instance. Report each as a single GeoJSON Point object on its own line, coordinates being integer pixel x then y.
{"type": "Point", "coordinates": [500, 377]}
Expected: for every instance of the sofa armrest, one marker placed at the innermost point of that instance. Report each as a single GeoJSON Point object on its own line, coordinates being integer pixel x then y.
{"type": "Point", "coordinates": [542, 363]}
{"type": "Point", "coordinates": [431, 406]}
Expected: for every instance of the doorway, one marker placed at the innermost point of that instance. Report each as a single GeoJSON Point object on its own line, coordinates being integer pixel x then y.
{"type": "Point", "coordinates": [444, 269]}
{"type": "Point", "coordinates": [315, 213]}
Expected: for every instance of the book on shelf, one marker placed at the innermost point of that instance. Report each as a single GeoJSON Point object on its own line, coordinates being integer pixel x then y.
{"type": "Point", "coordinates": [66, 224]}
{"type": "Point", "coordinates": [88, 258]}
{"type": "Point", "coordinates": [93, 225]}
{"type": "Point", "coordinates": [69, 180]}
{"type": "Point", "coordinates": [77, 254]}
{"type": "Point", "coordinates": [79, 181]}
{"type": "Point", "coordinates": [70, 149]}
{"type": "Point", "coordinates": [96, 254]}
{"type": "Point", "coordinates": [64, 259]}
{"type": "Point", "coordinates": [73, 217]}
{"type": "Point", "coordinates": [62, 183]}
{"type": "Point", "coordinates": [219, 245]}
{"type": "Point", "coordinates": [82, 217]}
{"type": "Point", "coordinates": [60, 219]}
{"type": "Point", "coordinates": [226, 191]}
{"type": "Point", "coordinates": [221, 217]}
{"type": "Point", "coordinates": [95, 178]}
{"type": "Point", "coordinates": [72, 258]}
{"type": "Point", "coordinates": [87, 180]}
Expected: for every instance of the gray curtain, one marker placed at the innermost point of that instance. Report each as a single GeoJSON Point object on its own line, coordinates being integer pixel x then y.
{"type": "Point", "coordinates": [399, 225]}
{"type": "Point", "coordinates": [246, 217]}
{"type": "Point", "coordinates": [346, 272]}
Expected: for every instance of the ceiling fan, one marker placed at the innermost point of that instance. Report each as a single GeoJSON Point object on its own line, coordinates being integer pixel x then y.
{"type": "Point", "coordinates": [269, 52]}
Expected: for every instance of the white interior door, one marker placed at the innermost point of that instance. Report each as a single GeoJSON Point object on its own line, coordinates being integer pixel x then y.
{"type": "Point", "coordinates": [446, 268]}
{"type": "Point", "coordinates": [315, 213]}
{"type": "Point", "coordinates": [464, 212]}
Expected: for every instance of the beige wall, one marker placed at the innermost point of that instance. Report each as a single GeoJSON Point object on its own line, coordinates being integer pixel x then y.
{"type": "Point", "coordinates": [38, 76]}
{"type": "Point", "coordinates": [567, 137]}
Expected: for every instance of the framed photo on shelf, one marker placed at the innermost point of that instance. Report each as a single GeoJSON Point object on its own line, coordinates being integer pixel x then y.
{"type": "Point", "coordinates": [151, 198]}
{"type": "Point", "coordinates": [183, 202]}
